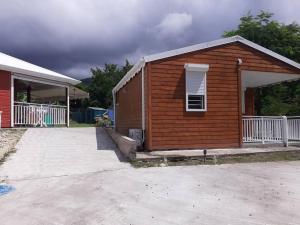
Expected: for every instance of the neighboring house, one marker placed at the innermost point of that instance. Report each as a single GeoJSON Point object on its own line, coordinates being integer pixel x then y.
{"type": "Point", "coordinates": [31, 95]}
{"type": "Point", "coordinates": [195, 97]}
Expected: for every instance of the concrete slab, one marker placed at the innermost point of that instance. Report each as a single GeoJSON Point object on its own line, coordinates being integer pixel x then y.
{"type": "Point", "coordinates": [44, 152]}
{"type": "Point", "coordinates": [256, 194]}
{"type": "Point", "coordinates": [184, 153]}
{"type": "Point", "coordinates": [74, 176]}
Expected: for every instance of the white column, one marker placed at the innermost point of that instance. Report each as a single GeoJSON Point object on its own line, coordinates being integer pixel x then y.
{"type": "Point", "coordinates": [285, 135]}
{"type": "Point", "coordinates": [262, 130]}
{"type": "Point", "coordinates": [143, 98]}
{"type": "Point", "coordinates": [0, 118]}
{"type": "Point", "coordinates": [114, 107]}
{"type": "Point", "coordinates": [12, 96]}
{"type": "Point", "coordinates": [68, 107]}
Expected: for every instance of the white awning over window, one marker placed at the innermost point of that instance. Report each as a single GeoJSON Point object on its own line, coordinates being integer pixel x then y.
{"type": "Point", "coordinates": [196, 67]}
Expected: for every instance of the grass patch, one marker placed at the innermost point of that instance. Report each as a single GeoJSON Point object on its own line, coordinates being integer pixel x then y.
{"type": "Point", "coordinates": [75, 124]}
{"type": "Point", "coordinates": [8, 139]}
{"type": "Point", "coordinates": [218, 160]}
{"type": "Point", "coordinates": [5, 156]}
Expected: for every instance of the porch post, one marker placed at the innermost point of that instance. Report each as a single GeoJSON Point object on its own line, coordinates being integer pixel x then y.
{"type": "Point", "coordinates": [68, 107]}
{"type": "Point", "coordinates": [249, 101]}
{"type": "Point", "coordinates": [285, 135]}
{"type": "Point", "coordinates": [240, 114]}
{"type": "Point", "coordinates": [12, 98]}
{"type": "Point", "coordinates": [28, 93]}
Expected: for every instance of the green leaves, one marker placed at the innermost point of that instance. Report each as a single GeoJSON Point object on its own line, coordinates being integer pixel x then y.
{"type": "Point", "coordinates": [103, 81]}
{"type": "Point", "coordinates": [281, 99]}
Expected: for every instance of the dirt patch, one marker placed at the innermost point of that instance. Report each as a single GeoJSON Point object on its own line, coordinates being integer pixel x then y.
{"type": "Point", "coordinates": [217, 160]}
{"type": "Point", "coordinates": [8, 139]}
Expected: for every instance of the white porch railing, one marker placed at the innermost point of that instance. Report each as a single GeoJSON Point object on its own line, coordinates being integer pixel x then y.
{"type": "Point", "coordinates": [262, 129]}
{"type": "Point", "coordinates": [31, 114]}
{"type": "Point", "coordinates": [270, 129]}
{"type": "Point", "coordinates": [294, 128]}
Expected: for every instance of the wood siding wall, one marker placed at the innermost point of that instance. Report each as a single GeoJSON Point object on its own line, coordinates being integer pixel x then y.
{"type": "Point", "coordinates": [129, 106]}
{"type": "Point", "coordinates": [171, 127]}
{"type": "Point", "coordinates": [5, 79]}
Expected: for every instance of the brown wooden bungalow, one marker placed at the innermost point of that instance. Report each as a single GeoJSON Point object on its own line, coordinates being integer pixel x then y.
{"type": "Point", "coordinates": [202, 96]}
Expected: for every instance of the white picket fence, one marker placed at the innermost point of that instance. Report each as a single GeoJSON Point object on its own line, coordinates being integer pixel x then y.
{"type": "Point", "coordinates": [31, 114]}
{"type": "Point", "coordinates": [271, 129]}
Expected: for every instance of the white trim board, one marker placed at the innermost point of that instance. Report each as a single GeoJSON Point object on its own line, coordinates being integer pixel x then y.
{"type": "Point", "coordinates": [137, 67]}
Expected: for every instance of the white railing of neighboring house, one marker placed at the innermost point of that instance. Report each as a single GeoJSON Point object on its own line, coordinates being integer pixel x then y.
{"type": "Point", "coordinates": [294, 128]}
{"type": "Point", "coordinates": [31, 114]}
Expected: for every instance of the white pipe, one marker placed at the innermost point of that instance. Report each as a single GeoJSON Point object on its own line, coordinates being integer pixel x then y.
{"type": "Point", "coordinates": [0, 118]}
{"type": "Point", "coordinates": [68, 107]}
{"type": "Point", "coordinates": [114, 105]}
{"type": "Point", "coordinates": [143, 102]}
{"type": "Point", "coordinates": [12, 93]}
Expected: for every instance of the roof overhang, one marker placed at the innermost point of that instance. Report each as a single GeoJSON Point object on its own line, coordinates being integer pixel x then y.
{"type": "Point", "coordinates": [260, 79]}
{"type": "Point", "coordinates": [137, 67]}
{"type": "Point", "coordinates": [131, 73]}
{"type": "Point", "coordinates": [14, 65]}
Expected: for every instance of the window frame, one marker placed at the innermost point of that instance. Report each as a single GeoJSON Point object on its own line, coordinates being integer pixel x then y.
{"type": "Point", "coordinates": [201, 68]}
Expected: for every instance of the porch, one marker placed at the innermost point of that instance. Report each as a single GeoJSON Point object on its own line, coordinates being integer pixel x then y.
{"type": "Point", "coordinates": [38, 103]}
{"type": "Point", "coordinates": [259, 129]}
{"type": "Point", "coordinates": [271, 129]}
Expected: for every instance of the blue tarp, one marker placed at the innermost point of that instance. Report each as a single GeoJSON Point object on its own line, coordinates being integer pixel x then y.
{"type": "Point", "coordinates": [4, 189]}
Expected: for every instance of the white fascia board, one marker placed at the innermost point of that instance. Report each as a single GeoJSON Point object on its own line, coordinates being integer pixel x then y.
{"type": "Point", "coordinates": [130, 74]}
{"type": "Point", "coordinates": [219, 42]}
{"type": "Point", "coordinates": [196, 67]}
{"type": "Point", "coordinates": [191, 48]}
{"type": "Point", "coordinates": [198, 47]}
{"type": "Point", "coordinates": [269, 52]}
{"type": "Point", "coordinates": [14, 65]}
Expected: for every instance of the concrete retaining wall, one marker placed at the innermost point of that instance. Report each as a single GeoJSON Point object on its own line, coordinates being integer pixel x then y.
{"type": "Point", "coordinates": [125, 144]}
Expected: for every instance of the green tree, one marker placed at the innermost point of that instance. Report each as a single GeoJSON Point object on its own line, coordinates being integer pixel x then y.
{"type": "Point", "coordinates": [284, 39]}
{"type": "Point", "coordinates": [103, 81]}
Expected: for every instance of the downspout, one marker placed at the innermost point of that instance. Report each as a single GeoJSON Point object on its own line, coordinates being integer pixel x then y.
{"type": "Point", "coordinates": [68, 106]}
{"type": "Point", "coordinates": [12, 98]}
{"type": "Point", "coordinates": [239, 74]}
{"type": "Point", "coordinates": [143, 103]}
{"type": "Point", "coordinates": [114, 107]}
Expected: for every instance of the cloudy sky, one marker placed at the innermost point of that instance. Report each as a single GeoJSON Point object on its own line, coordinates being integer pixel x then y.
{"type": "Point", "coordinates": [71, 36]}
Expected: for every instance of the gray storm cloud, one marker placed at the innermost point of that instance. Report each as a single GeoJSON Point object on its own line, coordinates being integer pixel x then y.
{"type": "Point", "coordinates": [72, 36]}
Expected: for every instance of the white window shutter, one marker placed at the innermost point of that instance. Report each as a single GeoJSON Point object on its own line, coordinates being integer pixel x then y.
{"type": "Point", "coordinates": [196, 97]}
{"type": "Point", "coordinates": [195, 83]}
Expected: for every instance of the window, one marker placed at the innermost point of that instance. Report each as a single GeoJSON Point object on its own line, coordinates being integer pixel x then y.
{"type": "Point", "coordinates": [195, 77]}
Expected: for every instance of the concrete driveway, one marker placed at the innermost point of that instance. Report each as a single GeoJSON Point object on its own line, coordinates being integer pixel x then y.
{"type": "Point", "coordinates": [111, 192]}
{"type": "Point", "coordinates": [62, 151]}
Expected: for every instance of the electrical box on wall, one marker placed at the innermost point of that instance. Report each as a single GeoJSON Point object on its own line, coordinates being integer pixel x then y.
{"type": "Point", "coordinates": [137, 135]}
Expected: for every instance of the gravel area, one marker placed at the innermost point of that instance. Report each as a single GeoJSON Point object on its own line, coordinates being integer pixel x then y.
{"type": "Point", "coordinates": [8, 139]}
